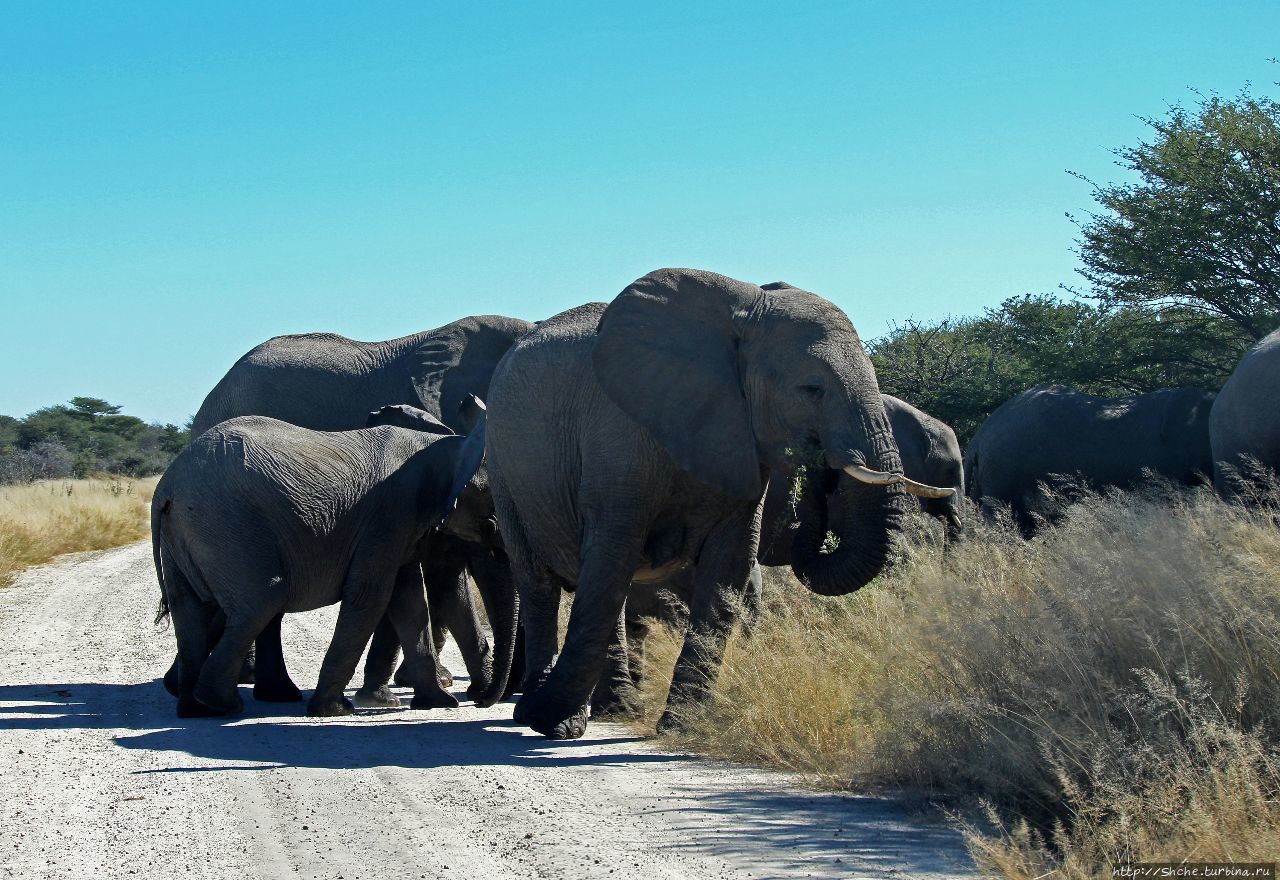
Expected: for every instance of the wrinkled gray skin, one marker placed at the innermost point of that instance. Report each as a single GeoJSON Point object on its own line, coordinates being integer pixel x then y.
{"type": "Point", "coordinates": [600, 474]}
{"type": "Point", "coordinates": [1053, 431]}
{"type": "Point", "coordinates": [930, 454]}
{"type": "Point", "coordinates": [258, 517]}
{"type": "Point", "coordinates": [330, 383]}
{"type": "Point", "coordinates": [1244, 427]}
{"type": "Point", "coordinates": [444, 560]}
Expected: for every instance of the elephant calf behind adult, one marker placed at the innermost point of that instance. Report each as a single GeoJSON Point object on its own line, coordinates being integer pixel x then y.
{"type": "Point", "coordinates": [328, 382]}
{"type": "Point", "coordinates": [1053, 430]}
{"type": "Point", "coordinates": [1244, 427]}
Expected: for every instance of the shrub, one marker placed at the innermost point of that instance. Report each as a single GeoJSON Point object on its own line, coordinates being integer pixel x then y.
{"type": "Point", "coordinates": [1110, 690]}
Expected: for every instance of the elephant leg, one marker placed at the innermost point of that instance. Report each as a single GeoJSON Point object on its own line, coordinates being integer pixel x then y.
{"type": "Point", "coordinates": [637, 632]}
{"type": "Point", "coordinates": [451, 603]}
{"type": "Point", "coordinates": [540, 616]}
{"type": "Point", "coordinates": [216, 623]}
{"type": "Point", "coordinates": [721, 577]}
{"type": "Point", "coordinates": [611, 554]}
{"type": "Point", "coordinates": [365, 597]}
{"type": "Point", "coordinates": [216, 686]}
{"type": "Point", "coordinates": [271, 682]}
{"type": "Point", "coordinates": [615, 694]}
{"type": "Point", "coordinates": [191, 623]}
{"type": "Point", "coordinates": [411, 616]}
{"type": "Point", "coordinates": [379, 664]}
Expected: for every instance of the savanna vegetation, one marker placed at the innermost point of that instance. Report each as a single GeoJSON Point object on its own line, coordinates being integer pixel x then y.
{"type": "Point", "coordinates": [1107, 693]}
{"type": "Point", "coordinates": [1182, 266]}
{"type": "Point", "coordinates": [44, 519]}
{"type": "Point", "coordinates": [86, 436]}
{"type": "Point", "coordinates": [1110, 691]}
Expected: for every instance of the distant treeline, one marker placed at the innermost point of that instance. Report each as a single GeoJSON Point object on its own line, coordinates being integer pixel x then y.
{"type": "Point", "coordinates": [1183, 272]}
{"type": "Point", "coordinates": [85, 436]}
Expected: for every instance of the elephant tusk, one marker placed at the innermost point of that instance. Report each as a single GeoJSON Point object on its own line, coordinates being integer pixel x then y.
{"type": "Point", "coordinates": [924, 491]}
{"type": "Point", "coordinates": [883, 478]}
{"type": "Point", "coordinates": [875, 478]}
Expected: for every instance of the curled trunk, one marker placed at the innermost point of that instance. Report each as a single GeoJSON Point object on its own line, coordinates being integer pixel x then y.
{"type": "Point", "coordinates": [847, 531]}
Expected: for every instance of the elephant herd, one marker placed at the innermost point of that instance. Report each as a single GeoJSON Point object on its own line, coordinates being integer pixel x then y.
{"type": "Point", "coordinates": [672, 440]}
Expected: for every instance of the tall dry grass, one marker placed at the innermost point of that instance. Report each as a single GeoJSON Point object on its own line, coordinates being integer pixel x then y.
{"type": "Point", "coordinates": [39, 521]}
{"type": "Point", "coordinates": [1108, 692]}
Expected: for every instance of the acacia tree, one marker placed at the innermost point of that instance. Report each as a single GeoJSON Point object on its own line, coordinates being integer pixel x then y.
{"type": "Point", "coordinates": [1201, 229]}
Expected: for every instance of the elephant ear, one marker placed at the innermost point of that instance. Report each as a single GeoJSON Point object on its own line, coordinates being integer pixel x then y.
{"type": "Point", "coordinates": [468, 463]}
{"type": "Point", "coordinates": [402, 416]}
{"type": "Point", "coordinates": [471, 412]}
{"type": "Point", "coordinates": [458, 359]}
{"type": "Point", "coordinates": [666, 352]}
{"type": "Point", "coordinates": [778, 285]}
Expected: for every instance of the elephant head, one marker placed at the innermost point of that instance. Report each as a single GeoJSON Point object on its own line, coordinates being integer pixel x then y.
{"type": "Point", "coordinates": [470, 518]}
{"type": "Point", "coordinates": [776, 379]}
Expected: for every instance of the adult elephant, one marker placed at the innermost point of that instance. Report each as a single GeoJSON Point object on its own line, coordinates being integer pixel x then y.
{"type": "Point", "coordinates": [1244, 426]}
{"type": "Point", "coordinates": [328, 382]}
{"type": "Point", "coordinates": [631, 440]}
{"type": "Point", "coordinates": [1053, 431]}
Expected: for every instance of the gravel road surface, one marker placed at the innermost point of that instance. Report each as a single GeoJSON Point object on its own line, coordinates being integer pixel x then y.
{"type": "Point", "coordinates": [101, 779]}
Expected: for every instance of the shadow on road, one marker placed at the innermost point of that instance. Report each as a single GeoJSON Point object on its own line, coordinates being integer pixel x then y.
{"type": "Point", "coordinates": [861, 835]}
{"type": "Point", "coordinates": [268, 735]}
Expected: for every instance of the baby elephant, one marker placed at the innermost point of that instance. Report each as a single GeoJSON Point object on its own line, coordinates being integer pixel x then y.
{"type": "Point", "coordinates": [258, 517]}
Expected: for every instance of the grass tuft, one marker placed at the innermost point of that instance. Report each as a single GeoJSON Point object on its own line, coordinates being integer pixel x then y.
{"type": "Point", "coordinates": [1107, 692]}
{"type": "Point", "coordinates": [39, 521]}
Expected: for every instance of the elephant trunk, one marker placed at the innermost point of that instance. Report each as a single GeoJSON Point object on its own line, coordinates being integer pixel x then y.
{"type": "Point", "coordinates": [503, 607]}
{"type": "Point", "coordinates": [848, 528]}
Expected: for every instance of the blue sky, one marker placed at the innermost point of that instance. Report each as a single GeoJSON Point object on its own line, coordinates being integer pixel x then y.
{"type": "Point", "coordinates": [182, 181]}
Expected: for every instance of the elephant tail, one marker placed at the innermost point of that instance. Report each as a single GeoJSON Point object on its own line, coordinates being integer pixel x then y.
{"type": "Point", "coordinates": [159, 512]}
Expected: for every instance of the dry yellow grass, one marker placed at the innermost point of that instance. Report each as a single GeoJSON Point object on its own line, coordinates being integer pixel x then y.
{"type": "Point", "coordinates": [1108, 692]}
{"type": "Point", "coordinates": [39, 521]}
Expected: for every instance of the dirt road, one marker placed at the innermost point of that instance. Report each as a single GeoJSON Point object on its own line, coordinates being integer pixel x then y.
{"type": "Point", "coordinates": [101, 780]}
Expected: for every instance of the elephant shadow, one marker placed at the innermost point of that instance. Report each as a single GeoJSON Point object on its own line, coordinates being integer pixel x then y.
{"type": "Point", "coordinates": [268, 735]}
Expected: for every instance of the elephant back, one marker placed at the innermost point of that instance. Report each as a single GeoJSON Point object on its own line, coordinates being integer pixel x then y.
{"type": "Point", "coordinates": [1245, 422]}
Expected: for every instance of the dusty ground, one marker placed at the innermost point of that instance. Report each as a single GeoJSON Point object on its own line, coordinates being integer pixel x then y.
{"type": "Point", "coordinates": [101, 780]}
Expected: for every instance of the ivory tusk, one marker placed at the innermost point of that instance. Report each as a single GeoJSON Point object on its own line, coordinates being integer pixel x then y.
{"type": "Point", "coordinates": [924, 491]}
{"type": "Point", "coordinates": [875, 478]}
{"type": "Point", "coordinates": [883, 478]}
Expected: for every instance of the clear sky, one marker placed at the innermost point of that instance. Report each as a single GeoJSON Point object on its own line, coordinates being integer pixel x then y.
{"type": "Point", "coordinates": [180, 181]}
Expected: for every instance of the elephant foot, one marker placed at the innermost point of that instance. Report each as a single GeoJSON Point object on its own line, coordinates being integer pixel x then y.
{"type": "Point", "coordinates": [432, 699]}
{"type": "Point", "coordinates": [228, 703]}
{"type": "Point", "coordinates": [531, 686]}
{"type": "Point", "coordinates": [402, 679]}
{"type": "Point", "coordinates": [673, 721]}
{"type": "Point", "coordinates": [377, 698]}
{"type": "Point", "coordinates": [190, 707]}
{"type": "Point", "coordinates": [618, 703]}
{"type": "Point", "coordinates": [247, 672]}
{"type": "Point", "coordinates": [173, 680]}
{"type": "Point", "coordinates": [277, 692]}
{"type": "Point", "coordinates": [556, 721]}
{"type": "Point", "coordinates": [482, 684]}
{"type": "Point", "coordinates": [330, 708]}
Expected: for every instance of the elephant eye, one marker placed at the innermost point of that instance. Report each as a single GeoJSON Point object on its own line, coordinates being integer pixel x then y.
{"type": "Point", "coordinates": [813, 392]}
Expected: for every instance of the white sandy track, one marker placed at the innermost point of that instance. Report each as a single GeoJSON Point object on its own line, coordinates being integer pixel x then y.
{"type": "Point", "coordinates": [101, 780]}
